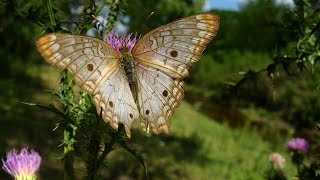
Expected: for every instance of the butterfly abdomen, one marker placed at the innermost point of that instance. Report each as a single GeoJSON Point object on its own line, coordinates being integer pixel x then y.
{"type": "Point", "coordinates": [128, 67]}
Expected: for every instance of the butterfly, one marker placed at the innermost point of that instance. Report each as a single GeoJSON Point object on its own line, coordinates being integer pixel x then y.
{"type": "Point", "coordinates": [145, 82]}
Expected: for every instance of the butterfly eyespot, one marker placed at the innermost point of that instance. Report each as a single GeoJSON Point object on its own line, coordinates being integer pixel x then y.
{"type": "Point", "coordinates": [131, 116]}
{"type": "Point", "coordinates": [147, 111]}
{"type": "Point", "coordinates": [174, 53]}
{"type": "Point", "coordinates": [165, 93]}
{"type": "Point", "coordinates": [111, 104]}
{"type": "Point", "coordinates": [90, 67]}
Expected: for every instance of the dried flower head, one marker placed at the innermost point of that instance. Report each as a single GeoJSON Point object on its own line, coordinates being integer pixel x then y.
{"type": "Point", "coordinates": [298, 145]}
{"type": "Point", "coordinates": [277, 160]}
{"type": "Point", "coordinates": [22, 165]}
{"type": "Point", "coordinates": [120, 43]}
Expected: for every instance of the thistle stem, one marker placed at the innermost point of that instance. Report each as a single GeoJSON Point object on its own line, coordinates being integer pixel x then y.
{"type": "Point", "coordinates": [95, 161]}
{"type": "Point", "coordinates": [70, 129]}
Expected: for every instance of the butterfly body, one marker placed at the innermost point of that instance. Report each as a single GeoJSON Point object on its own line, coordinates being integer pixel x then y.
{"type": "Point", "coordinates": [144, 81]}
{"type": "Point", "coordinates": [127, 63]}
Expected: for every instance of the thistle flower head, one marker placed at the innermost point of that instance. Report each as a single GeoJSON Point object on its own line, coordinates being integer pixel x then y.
{"type": "Point", "coordinates": [22, 165]}
{"type": "Point", "coordinates": [298, 145]}
{"type": "Point", "coordinates": [277, 160]}
{"type": "Point", "coordinates": [121, 43]}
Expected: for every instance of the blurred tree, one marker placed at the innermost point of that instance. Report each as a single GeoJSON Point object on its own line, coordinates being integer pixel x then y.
{"type": "Point", "coordinates": [20, 25]}
{"type": "Point", "coordinates": [256, 27]}
{"type": "Point", "coordinates": [228, 30]}
{"type": "Point", "coordinates": [260, 28]}
{"type": "Point", "coordinates": [146, 15]}
{"type": "Point", "coordinates": [16, 35]}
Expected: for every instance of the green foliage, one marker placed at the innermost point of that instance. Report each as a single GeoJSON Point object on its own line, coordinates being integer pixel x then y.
{"type": "Point", "coordinates": [259, 26]}
{"type": "Point", "coordinates": [114, 12]}
{"type": "Point", "coordinates": [18, 32]}
{"type": "Point", "coordinates": [256, 27]}
{"type": "Point", "coordinates": [298, 66]}
{"type": "Point", "coordinates": [301, 94]}
{"type": "Point", "coordinates": [275, 174]}
{"type": "Point", "coordinates": [225, 66]}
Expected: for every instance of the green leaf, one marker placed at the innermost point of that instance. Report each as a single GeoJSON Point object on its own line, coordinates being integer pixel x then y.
{"type": "Point", "coordinates": [50, 108]}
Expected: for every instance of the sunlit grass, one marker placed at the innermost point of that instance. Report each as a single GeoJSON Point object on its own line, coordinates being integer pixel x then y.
{"type": "Point", "coordinates": [200, 148]}
{"type": "Point", "coordinates": [232, 153]}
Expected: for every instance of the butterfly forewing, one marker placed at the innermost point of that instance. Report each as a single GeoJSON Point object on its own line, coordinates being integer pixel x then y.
{"type": "Point", "coordinates": [88, 59]}
{"type": "Point", "coordinates": [96, 68]}
{"type": "Point", "coordinates": [163, 58]}
{"type": "Point", "coordinates": [172, 48]}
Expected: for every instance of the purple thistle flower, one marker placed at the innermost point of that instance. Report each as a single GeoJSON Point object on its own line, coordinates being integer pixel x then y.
{"type": "Point", "coordinates": [298, 145]}
{"type": "Point", "coordinates": [123, 42]}
{"type": "Point", "coordinates": [23, 165]}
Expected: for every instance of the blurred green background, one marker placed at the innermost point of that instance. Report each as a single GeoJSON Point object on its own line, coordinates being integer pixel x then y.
{"type": "Point", "coordinates": [227, 125]}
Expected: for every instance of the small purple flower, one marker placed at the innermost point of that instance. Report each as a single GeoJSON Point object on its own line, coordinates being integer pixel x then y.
{"type": "Point", "coordinates": [298, 145]}
{"type": "Point", "coordinates": [120, 43]}
{"type": "Point", "coordinates": [23, 165]}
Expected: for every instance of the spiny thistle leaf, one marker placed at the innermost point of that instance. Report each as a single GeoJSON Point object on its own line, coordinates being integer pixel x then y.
{"type": "Point", "coordinates": [50, 108]}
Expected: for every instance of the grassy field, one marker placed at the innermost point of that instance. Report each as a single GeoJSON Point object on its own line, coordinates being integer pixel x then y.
{"type": "Point", "coordinates": [200, 148]}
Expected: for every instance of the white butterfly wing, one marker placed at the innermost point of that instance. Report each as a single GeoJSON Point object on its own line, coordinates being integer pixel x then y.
{"type": "Point", "coordinates": [96, 68]}
{"type": "Point", "coordinates": [173, 48]}
{"type": "Point", "coordinates": [115, 101]}
{"type": "Point", "coordinates": [163, 58]}
{"type": "Point", "coordinates": [158, 96]}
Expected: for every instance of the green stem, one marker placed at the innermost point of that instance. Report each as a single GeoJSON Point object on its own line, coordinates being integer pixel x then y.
{"type": "Point", "coordinates": [95, 161]}
{"type": "Point", "coordinates": [50, 11]}
{"type": "Point", "coordinates": [93, 156]}
{"type": "Point", "coordinates": [70, 129]}
{"type": "Point", "coordinates": [68, 166]}
{"type": "Point", "coordinates": [93, 174]}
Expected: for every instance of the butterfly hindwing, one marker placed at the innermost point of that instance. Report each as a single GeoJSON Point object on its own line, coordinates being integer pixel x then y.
{"type": "Point", "coordinates": [158, 96]}
{"type": "Point", "coordinates": [115, 102]}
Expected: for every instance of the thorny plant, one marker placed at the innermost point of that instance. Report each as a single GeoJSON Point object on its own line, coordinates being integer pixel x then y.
{"type": "Point", "coordinates": [304, 22]}
{"type": "Point", "coordinates": [86, 136]}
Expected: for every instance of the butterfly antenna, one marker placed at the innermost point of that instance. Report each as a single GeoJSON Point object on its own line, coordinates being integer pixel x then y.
{"type": "Point", "coordinates": [150, 15]}
{"type": "Point", "coordinates": [144, 26]}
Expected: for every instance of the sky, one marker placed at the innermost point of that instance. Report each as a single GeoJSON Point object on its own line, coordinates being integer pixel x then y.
{"type": "Point", "coordinates": [232, 4]}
